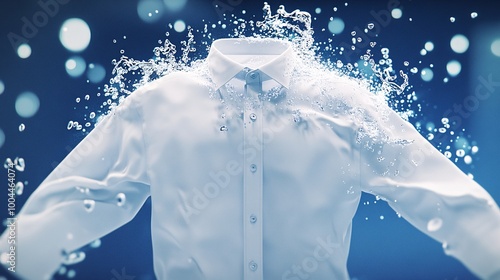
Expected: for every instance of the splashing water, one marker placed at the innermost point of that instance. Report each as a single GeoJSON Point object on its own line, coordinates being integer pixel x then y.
{"type": "Point", "coordinates": [374, 70]}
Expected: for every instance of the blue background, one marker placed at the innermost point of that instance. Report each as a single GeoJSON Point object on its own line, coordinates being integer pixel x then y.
{"type": "Point", "coordinates": [387, 248]}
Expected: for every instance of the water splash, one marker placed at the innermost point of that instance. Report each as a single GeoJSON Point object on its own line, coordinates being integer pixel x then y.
{"type": "Point", "coordinates": [374, 70]}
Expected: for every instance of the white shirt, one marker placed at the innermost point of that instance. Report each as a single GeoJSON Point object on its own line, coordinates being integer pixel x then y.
{"type": "Point", "coordinates": [255, 169]}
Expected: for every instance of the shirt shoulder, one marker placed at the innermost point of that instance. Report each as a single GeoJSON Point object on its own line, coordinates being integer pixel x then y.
{"type": "Point", "coordinates": [173, 88]}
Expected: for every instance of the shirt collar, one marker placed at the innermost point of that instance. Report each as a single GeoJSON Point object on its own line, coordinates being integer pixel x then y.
{"type": "Point", "coordinates": [228, 57]}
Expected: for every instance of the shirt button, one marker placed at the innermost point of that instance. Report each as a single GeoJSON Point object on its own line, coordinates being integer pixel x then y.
{"type": "Point", "coordinates": [253, 219]}
{"type": "Point", "coordinates": [253, 116]}
{"type": "Point", "coordinates": [253, 168]}
{"type": "Point", "coordinates": [252, 265]}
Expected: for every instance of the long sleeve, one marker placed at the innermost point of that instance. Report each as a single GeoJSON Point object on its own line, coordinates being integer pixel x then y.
{"type": "Point", "coordinates": [97, 188]}
{"type": "Point", "coordinates": [429, 191]}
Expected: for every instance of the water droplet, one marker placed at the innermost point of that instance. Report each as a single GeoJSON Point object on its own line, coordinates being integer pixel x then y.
{"type": "Point", "coordinates": [406, 63]}
{"type": "Point", "coordinates": [20, 164]}
{"type": "Point", "coordinates": [468, 159]}
{"type": "Point", "coordinates": [474, 149]}
{"type": "Point", "coordinates": [89, 205]}
{"type": "Point", "coordinates": [92, 115]}
{"type": "Point", "coordinates": [120, 199]}
{"type": "Point", "coordinates": [74, 258]}
{"type": "Point", "coordinates": [473, 15]}
{"type": "Point", "coordinates": [71, 273]}
{"type": "Point", "coordinates": [460, 153]}
{"type": "Point", "coordinates": [434, 224]}
{"type": "Point", "coordinates": [442, 130]}
{"type": "Point", "coordinates": [77, 100]}
{"type": "Point", "coordinates": [19, 188]}
{"type": "Point", "coordinates": [83, 190]}
{"type": "Point", "coordinates": [445, 120]}
{"type": "Point", "coordinates": [62, 270]}
{"type": "Point", "coordinates": [87, 97]}
{"type": "Point", "coordinates": [223, 128]}
{"type": "Point", "coordinates": [95, 244]}
{"type": "Point", "coordinates": [452, 19]}
{"type": "Point", "coordinates": [371, 25]}
{"type": "Point", "coordinates": [446, 248]}
{"type": "Point", "coordinates": [447, 154]}
{"type": "Point", "coordinates": [382, 217]}
{"type": "Point", "coordinates": [21, 127]}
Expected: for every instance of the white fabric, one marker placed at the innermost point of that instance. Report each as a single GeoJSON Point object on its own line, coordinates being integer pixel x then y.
{"type": "Point", "coordinates": [189, 139]}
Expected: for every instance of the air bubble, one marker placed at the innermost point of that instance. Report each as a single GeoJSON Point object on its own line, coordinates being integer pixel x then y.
{"type": "Point", "coordinates": [473, 15]}
{"type": "Point", "coordinates": [22, 127]}
{"type": "Point", "coordinates": [223, 128]}
{"type": "Point", "coordinates": [460, 153]}
{"type": "Point", "coordinates": [452, 19]}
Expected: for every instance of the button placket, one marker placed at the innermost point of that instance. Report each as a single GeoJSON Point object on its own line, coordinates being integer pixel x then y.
{"type": "Point", "coordinates": [252, 179]}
